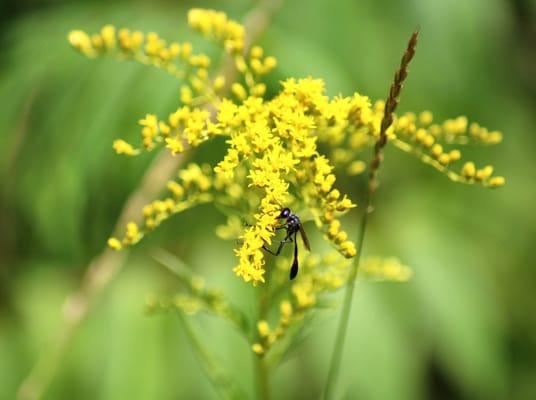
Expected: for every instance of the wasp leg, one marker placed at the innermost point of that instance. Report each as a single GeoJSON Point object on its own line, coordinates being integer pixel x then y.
{"type": "Point", "coordinates": [279, 227]}
{"type": "Point", "coordinates": [287, 239]}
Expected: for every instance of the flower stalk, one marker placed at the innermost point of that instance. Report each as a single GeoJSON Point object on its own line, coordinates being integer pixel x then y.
{"type": "Point", "coordinates": [387, 120]}
{"type": "Point", "coordinates": [261, 369]}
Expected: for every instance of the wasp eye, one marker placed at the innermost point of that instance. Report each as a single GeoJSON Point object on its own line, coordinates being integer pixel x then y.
{"type": "Point", "coordinates": [285, 212]}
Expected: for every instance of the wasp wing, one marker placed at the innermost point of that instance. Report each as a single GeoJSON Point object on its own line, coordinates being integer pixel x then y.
{"type": "Point", "coordinates": [304, 238]}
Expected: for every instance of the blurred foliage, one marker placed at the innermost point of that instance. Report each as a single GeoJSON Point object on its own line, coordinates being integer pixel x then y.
{"type": "Point", "coordinates": [465, 327]}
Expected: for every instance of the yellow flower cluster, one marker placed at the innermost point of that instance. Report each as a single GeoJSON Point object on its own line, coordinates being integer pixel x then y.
{"type": "Point", "coordinates": [268, 336]}
{"type": "Point", "coordinates": [385, 269]}
{"type": "Point", "coordinates": [216, 26]}
{"type": "Point", "coordinates": [419, 136]}
{"type": "Point", "coordinates": [455, 130]}
{"type": "Point", "coordinates": [146, 48]}
{"type": "Point", "coordinates": [192, 188]}
{"type": "Point", "coordinates": [186, 127]}
{"type": "Point", "coordinates": [282, 152]}
{"type": "Point", "coordinates": [177, 59]}
{"type": "Point", "coordinates": [355, 126]}
{"type": "Point", "coordinates": [328, 200]}
{"type": "Point", "coordinates": [320, 276]}
{"type": "Point", "coordinates": [276, 142]}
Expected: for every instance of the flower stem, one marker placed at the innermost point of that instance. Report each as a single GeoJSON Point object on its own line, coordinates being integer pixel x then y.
{"type": "Point", "coordinates": [261, 370]}
{"type": "Point", "coordinates": [347, 305]}
{"type": "Point", "coordinates": [387, 120]}
{"type": "Point", "coordinates": [259, 362]}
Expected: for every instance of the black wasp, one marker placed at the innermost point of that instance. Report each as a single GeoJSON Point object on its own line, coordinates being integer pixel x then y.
{"type": "Point", "coordinates": [293, 225]}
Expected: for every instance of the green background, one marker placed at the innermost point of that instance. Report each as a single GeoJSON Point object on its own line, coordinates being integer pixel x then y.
{"type": "Point", "coordinates": [464, 327]}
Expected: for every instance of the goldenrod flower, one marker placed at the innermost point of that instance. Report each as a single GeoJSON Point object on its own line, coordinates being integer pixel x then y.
{"type": "Point", "coordinates": [284, 151]}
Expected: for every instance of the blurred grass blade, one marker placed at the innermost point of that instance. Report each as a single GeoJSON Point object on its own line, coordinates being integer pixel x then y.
{"type": "Point", "coordinates": [223, 384]}
{"type": "Point", "coordinates": [185, 275]}
{"type": "Point", "coordinates": [175, 265]}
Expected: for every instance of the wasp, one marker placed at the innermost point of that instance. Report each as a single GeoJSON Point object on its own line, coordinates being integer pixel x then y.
{"type": "Point", "coordinates": [292, 225]}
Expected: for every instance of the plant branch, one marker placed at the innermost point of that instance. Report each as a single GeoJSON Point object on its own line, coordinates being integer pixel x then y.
{"type": "Point", "coordinates": [390, 107]}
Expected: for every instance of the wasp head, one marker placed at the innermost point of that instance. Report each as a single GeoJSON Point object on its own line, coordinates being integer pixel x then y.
{"type": "Point", "coordinates": [285, 213]}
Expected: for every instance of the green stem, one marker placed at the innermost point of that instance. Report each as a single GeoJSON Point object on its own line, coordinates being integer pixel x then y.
{"type": "Point", "coordinates": [347, 306]}
{"type": "Point", "coordinates": [388, 116]}
{"type": "Point", "coordinates": [261, 370]}
{"type": "Point", "coordinates": [259, 361]}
